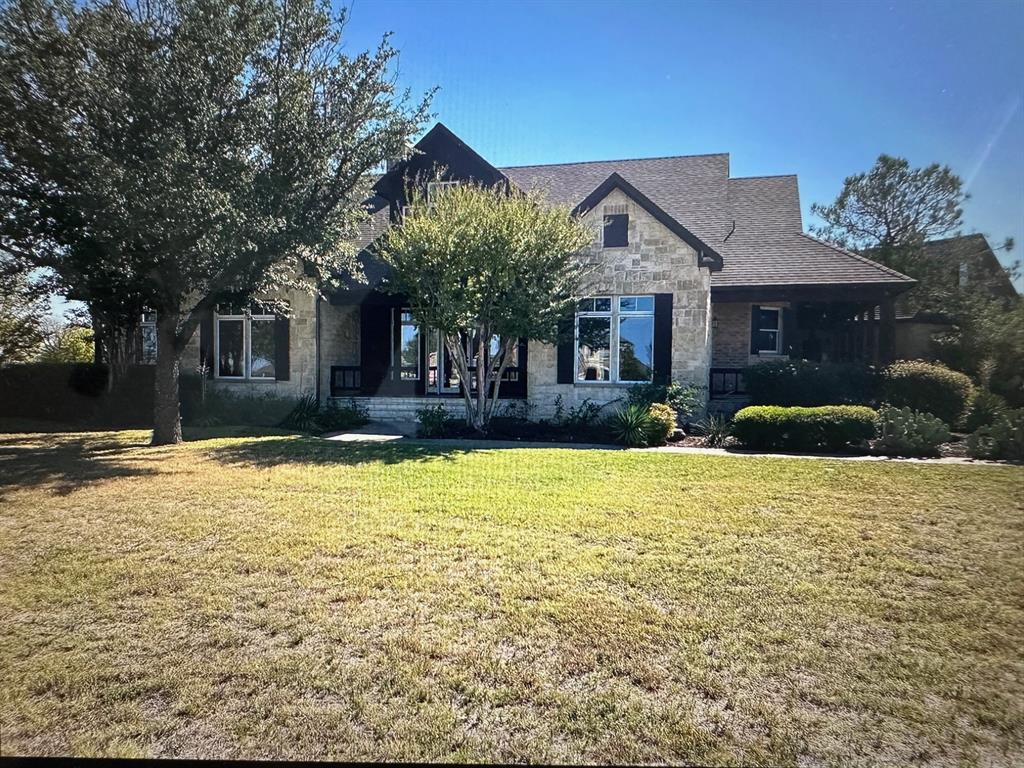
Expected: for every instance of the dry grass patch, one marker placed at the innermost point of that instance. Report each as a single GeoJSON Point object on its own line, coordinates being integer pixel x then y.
{"type": "Point", "coordinates": [286, 597]}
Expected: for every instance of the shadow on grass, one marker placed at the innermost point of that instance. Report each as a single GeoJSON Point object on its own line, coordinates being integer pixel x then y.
{"type": "Point", "coordinates": [313, 450]}
{"type": "Point", "coordinates": [67, 463]}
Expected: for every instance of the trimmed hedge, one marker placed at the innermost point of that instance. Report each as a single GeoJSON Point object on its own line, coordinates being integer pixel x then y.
{"type": "Point", "coordinates": [75, 393]}
{"type": "Point", "coordinates": [928, 387]}
{"type": "Point", "coordinates": [827, 427]}
{"type": "Point", "coordinates": [799, 382]}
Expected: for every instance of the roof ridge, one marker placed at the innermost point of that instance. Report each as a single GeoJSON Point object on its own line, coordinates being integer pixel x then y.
{"type": "Point", "coordinates": [612, 160]}
{"type": "Point", "coordinates": [858, 257]}
{"type": "Point", "coordinates": [765, 176]}
{"type": "Point", "coordinates": [957, 237]}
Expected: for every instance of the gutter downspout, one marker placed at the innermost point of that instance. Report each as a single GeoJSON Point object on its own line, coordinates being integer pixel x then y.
{"type": "Point", "coordinates": [316, 345]}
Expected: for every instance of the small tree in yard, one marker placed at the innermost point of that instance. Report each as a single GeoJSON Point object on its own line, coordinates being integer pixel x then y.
{"type": "Point", "coordinates": [166, 153]}
{"type": "Point", "coordinates": [485, 263]}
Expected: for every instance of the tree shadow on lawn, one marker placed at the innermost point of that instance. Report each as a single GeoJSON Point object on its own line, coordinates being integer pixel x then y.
{"type": "Point", "coordinates": [68, 463]}
{"type": "Point", "coordinates": [314, 450]}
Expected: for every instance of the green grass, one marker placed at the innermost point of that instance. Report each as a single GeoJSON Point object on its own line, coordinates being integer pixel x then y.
{"type": "Point", "coordinates": [282, 596]}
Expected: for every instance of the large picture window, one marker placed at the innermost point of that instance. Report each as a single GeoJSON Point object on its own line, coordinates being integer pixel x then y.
{"type": "Point", "coordinates": [615, 339]}
{"type": "Point", "coordinates": [244, 345]}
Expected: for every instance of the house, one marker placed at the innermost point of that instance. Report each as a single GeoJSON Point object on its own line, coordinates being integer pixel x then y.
{"type": "Point", "coordinates": [700, 274]}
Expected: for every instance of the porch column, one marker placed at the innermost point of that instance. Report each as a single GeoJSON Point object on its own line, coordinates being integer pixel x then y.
{"type": "Point", "coordinates": [887, 331]}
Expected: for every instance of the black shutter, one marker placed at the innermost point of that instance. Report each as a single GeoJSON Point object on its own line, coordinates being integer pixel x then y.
{"type": "Point", "coordinates": [282, 357]}
{"type": "Point", "coordinates": [755, 323]}
{"type": "Point", "coordinates": [206, 342]}
{"type": "Point", "coordinates": [616, 230]}
{"type": "Point", "coordinates": [566, 364]}
{"type": "Point", "coordinates": [662, 338]}
{"type": "Point", "coordinates": [374, 346]}
{"type": "Point", "coordinates": [788, 344]}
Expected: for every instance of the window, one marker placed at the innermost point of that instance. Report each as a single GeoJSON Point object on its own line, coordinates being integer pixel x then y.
{"type": "Point", "coordinates": [147, 354]}
{"type": "Point", "coordinates": [963, 275]}
{"type": "Point", "coordinates": [769, 330]}
{"type": "Point", "coordinates": [616, 230]}
{"type": "Point", "coordinates": [615, 339]}
{"type": "Point", "coordinates": [244, 344]}
{"type": "Point", "coordinates": [409, 347]}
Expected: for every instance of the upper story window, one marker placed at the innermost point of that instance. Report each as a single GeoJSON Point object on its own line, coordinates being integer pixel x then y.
{"type": "Point", "coordinates": [963, 274]}
{"type": "Point", "coordinates": [244, 344]}
{"type": "Point", "coordinates": [615, 233]}
{"type": "Point", "coordinates": [435, 187]}
{"type": "Point", "coordinates": [147, 325]}
{"type": "Point", "coordinates": [769, 330]}
{"type": "Point", "coordinates": [615, 339]}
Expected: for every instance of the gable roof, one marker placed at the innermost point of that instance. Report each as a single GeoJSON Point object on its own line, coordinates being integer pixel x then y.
{"type": "Point", "coordinates": [707, 256]}
{"type": "Point", "coordinates": [975, 251]}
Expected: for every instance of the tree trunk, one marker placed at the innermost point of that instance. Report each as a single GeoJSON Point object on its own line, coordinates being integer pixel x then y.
{"type": "Point", "coordinates": [166, 412]}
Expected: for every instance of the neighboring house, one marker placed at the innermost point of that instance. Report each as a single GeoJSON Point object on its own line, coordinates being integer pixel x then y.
{"type": "Point", "coordinates": [699, 274]}
{"type": "Point", "coordinates": [968, 263]}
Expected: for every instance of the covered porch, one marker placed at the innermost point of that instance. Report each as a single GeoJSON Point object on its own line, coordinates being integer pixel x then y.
{"type": "Point", "coordinates": [847, 323]}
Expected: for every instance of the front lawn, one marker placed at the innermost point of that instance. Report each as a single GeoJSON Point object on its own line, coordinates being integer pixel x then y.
{"type": "Point", "coordinates": [286, 597]}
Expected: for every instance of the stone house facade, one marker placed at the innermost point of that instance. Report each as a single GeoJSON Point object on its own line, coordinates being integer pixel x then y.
{"type": "Point", "coordinates": [695, 275]}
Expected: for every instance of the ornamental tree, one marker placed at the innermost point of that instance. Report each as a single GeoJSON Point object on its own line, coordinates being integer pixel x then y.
{"type": "Point", "coordinates": [188, 149]}
{"type": "Point", "coordinates": [484, 265]}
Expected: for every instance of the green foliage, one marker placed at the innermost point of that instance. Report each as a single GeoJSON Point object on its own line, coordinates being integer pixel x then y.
{"type": "Point", "coordinates": [23, 311]}
{"type": "Point", "coordinates": [929, 387]}
{"type": "Point", "coordinates": [581, 416]}
{"type": "Point", "coordinates": [827, 427]}
{"type": "Point", "coordinates": [715, 428]}
{"type": "Point", "coordinates": [1003, 439]}
{"type": "Point", "coordinates": [799, 382]}
{"type": "Point", "coordinates": [631, 425]}
{"type": "Point", "coordinates": [67, 344]}
{"type": "Point", "coordinates": [662, 423]}
{"type": "Point", "coordinates": [336, 418]}
{"type": "Point", "coordinates": [684, 399]}
{"type": "Point", "coordinates": [303, 416]}
{"type": "Point", "coordinates": [480, 262]}
{"type": "Point", "coordinates": [222, 406]}
{"type": "Point", "coordinates": [906, 432]}
{"type": "Point", "coordinates": [191, 148]}
{"type": "Point", "coordinates": [432, 421]}
{"type": "Point", "coordinates": [984, 409]}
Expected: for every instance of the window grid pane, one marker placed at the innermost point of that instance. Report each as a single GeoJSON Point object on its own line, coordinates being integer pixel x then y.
{"type": "Point", "coordinates": [594, 349]}
{"type": "Point", "coordinates": [636, 348]}
{"type": "Point", "coordinates": [262, 349]}
{"type": "Point", "coordinates": [231, 348]}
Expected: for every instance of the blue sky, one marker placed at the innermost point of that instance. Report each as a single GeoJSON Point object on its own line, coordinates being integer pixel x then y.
{"type": "Point", "coordinates": [816, 89]}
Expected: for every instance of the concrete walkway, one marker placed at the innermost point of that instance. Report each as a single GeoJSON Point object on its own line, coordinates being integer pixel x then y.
{"type": "Point", "coordinates": [380, 432]}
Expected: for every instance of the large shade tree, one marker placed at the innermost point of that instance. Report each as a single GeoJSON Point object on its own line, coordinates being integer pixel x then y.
{"type": "Point", "coordinates": [23, 313]}
{"type": "Point", "coordinates": [486, 267]}
{"type": "Point", "coordinates": [181, 150]}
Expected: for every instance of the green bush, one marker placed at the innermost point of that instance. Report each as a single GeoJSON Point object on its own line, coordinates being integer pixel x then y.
{"type": "Point", "coordinates": [929, 387]}
{"type": "Point", "coordinates": [631, 425]}
{"type": "Point", "coordinates": [984, 409]}
{"type": "Point", "coordinates": [432, 421]}
{"type": "Point", "coordinates": [303, 416]}
{"type": "Point", "coordinates": [336, 418]}
{"type": "Point", "coordinates": [684, 399]}
{"type": "Point", "coordinates": [1003, 439]}
{"type": "Point", "coordinates": [906, 432]}
{"type": "Point", "coordinates": [663, 423]}
{"type": "Point", "coordinates": [799, 382]}
{"type": "Point", "coordinates": [579, 417]}
{"type": "Point", "coordinates": [827, 427]}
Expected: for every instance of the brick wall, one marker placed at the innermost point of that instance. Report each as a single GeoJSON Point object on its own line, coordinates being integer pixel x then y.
{"type": "Point", "coordinates": [731, 336]}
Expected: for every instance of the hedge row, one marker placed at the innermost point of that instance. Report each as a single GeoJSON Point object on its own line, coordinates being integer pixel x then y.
{"type": "Point", "coordinates": [828, 427]}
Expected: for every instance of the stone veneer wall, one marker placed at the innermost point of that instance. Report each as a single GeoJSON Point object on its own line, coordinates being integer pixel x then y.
{"type": "Point", "coordinates": [302, 354]}
{"type": "Point", "coordinates": [339, 340]}
{"type": "Point", "coordinates": [655, 261]}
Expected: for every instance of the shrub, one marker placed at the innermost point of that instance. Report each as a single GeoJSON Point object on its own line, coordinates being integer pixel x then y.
{"type": "Point", "coordinates": [336, 418]}
{"type": "Point", "coordinates": [984, 409]}
{"type": "Point", "coordinates": [684, 399]}
{"type": "Point", "coordinates": [631, 425]}
{"type": "Point", "coordinates": [715, 429]}
{"type": "Point", "coordinates": [929, 387]}
{"type": "Point", "coordinates": [799, 382]}
{"type": "Point", "coordinates": [1003, 439]}
{"type": "Point", "coordinates": [303, 416]}
{"type": "Point", "coordinates": [579, 417]}
{"type": "Point", "coordinates": [906, 432]}
{"type": "Point", "coordinates": [828, 427]}
{"type": "Point", "coordinates": [432, 421]}
{"type": "Point", "coordinates": [663, 423]}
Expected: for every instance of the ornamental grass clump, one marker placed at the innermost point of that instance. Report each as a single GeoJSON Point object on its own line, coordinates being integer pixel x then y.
{"type": "Point", "coordinates": [631, 426]}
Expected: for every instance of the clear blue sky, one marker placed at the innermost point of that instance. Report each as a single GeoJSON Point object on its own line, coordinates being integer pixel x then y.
{"type": "Point", "coordinates": [816, 89]}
